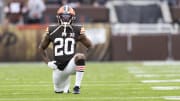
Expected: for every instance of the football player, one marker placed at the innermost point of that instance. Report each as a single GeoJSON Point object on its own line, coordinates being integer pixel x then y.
{"type": "Point", "coordinates": [64, 37]}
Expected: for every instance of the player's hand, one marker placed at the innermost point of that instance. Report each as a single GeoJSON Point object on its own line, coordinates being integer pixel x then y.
{"type": "Point", "coordinates": [52, 65]}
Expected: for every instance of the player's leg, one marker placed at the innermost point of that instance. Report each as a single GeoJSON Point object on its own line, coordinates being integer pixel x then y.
{"type": "Point", "coordinates": [80, 67]}
{"type": "Point", "coordinates": [76, 66]}
{"type": "Point", "coordinates": [67, 85]}
{"type": "Point", "coordinates": [59, 81]}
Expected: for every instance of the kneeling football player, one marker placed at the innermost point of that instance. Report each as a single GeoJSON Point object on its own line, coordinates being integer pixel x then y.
{"type": "Point", "coordinates": [64, 37]}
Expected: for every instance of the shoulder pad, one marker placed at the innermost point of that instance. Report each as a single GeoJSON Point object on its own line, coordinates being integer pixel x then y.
{"type": "Point", "coordinates": [52, 27]}
{"type": "Point", "coordinates": [77, 29]}
{"type": "Point", "coordinates": [76, 25]}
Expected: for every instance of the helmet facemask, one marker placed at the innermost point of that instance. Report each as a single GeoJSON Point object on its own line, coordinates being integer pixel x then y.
{"type": "Point", "coordinates": [64, 19]}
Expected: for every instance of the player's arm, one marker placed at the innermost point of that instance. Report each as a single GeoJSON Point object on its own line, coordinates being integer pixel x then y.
{"type": "Point", "coordinates": [43, 46]}
{"type": "Point", "coordinates": [84, 39]}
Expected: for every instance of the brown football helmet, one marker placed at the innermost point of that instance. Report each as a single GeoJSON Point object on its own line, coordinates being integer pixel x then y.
{"type": "Point", "coordinates": [65, 15]}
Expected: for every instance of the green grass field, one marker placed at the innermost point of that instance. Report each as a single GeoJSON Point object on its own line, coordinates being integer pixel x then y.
{"type": "Point", "coordinates": [108, 81]}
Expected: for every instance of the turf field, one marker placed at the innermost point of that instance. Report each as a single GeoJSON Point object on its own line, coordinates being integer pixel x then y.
{"type": "Point", "coordinates": [108, 81]}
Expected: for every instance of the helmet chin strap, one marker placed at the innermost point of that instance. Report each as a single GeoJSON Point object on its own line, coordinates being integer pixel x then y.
{"type": "Point", "coordinates": [65, 25]}
{"type": "Point", "coordinates": [64, 33]}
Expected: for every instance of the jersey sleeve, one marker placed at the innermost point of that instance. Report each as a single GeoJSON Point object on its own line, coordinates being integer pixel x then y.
{"type": "Point", "coordinates": [77, 31]}
{"type": "Point", "coordinates": [48, 31]}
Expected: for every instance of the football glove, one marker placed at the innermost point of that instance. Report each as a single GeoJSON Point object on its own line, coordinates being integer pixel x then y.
{"type": "Point", "coordinates": [52, 65]}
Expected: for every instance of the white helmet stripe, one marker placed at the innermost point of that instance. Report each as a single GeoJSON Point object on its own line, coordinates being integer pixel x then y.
{"type": "Point", "coordinates": [66, 7]}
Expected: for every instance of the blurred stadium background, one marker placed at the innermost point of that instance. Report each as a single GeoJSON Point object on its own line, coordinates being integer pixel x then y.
{"type": "Point", "coordinates": [121, 30]}
{"type": "Point", "coordinates": [125, 34]}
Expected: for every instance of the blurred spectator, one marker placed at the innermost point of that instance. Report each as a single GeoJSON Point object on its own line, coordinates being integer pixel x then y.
{"type": "Point", "coordinates": [95, 3]}
{"type": "Point", "coordinates": [87, 2]}
{"type": "Point", "coordinates": [1, 10]}
{"type": "Point", "coordinates": [72, 3]}
{"type": "Point", "coordinates": [51, 1]}
{"type": "Point", "coordinates": [98, 3]}
{"type": "Point", "coordinates": [172, 2]}
{"type": "Point", "coordinates": [14, 11]}
{"type": "Point", "coordinates": [36, 10]}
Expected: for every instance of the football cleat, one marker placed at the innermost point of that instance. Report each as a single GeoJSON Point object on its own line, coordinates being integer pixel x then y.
{"type": "Point", "coordinates": [58, 92]}
{"type": "Point", "coordinates": [76, 90]}
{"type": "Point", "coordinates": [67, 92]}
{"type": "Point", "coordinates": [61, 92]}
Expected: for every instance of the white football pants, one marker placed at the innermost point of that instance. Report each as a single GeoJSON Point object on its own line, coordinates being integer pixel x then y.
{"type": "Point", "coordinates": [61, 79]}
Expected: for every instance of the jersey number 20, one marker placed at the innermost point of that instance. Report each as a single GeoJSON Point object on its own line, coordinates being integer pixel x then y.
{"type": "Point", "coordinates": [65, 46]}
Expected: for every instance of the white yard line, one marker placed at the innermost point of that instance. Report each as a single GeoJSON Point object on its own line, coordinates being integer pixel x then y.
{"type": "Point", "coordinates": [161, 81]}
{"type": "Point", "coordinates": [147, 75]}
{"type": "Point", "coordinates": [157, 75]}
{"type": "Point", "coordinates": [168, 71]}
{"type": "Point", "coordinates": [173, 98]}
{"type": "Point", "coordinates": [105, 81]}
{"type": "Point", "coordinates": [161, 63]}
{"type": "Point", "coordinates": [118, 81]}
{"type": "Point", "coordinates": [135, 70]}
{"type": "Point", "coordinates": [50, 88]}
{"type": "Point", "coordinates": [45, 85]}
{"type": "Point", "coordinates": [80, 98]}
{"type": "Point", "coordinates": [166, 88]}
{"type": "Point", "coordinates": [84, 82]}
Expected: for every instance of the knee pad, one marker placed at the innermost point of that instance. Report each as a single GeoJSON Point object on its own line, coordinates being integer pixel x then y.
{"type": "Point", "coordinates": [80, 62]}
{"type": "Point", "coordinates": [80, 65]}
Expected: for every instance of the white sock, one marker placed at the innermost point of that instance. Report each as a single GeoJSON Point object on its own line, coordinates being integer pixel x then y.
{"type": "Point", "coordinates": [79, 76]}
